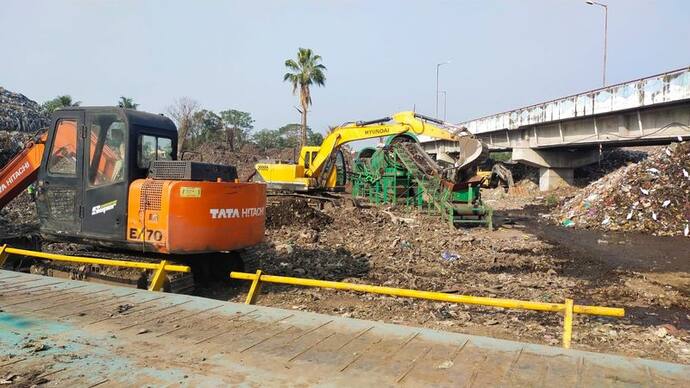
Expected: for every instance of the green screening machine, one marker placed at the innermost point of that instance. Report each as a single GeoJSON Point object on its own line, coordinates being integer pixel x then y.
{"type": "Point", "coordinates": [401, 173]}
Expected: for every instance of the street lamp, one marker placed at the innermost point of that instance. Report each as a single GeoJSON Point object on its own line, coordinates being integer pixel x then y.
{"type": "Point", "coordinates": [437, 66]}
{"type": "Point", "coordinates": [445, 100]}
{"type": "Point", "coordinates": [606, 27]}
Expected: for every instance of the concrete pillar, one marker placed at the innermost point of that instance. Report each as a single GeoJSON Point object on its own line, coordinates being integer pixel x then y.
{"type": "Point", "coordinates": [552, 178]}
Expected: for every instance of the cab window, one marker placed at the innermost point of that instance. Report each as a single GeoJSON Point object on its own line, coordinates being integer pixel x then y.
{"type": "Point", "coordinates": [152, 148]}
{"type": "Point", "coordinates": [63, 155]}
{"type": "Point", "coordinates": [107, 148]}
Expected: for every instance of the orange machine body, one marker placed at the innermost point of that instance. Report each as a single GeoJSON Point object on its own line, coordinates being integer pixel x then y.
{"type": "Point", "coordinates": [179, 217]}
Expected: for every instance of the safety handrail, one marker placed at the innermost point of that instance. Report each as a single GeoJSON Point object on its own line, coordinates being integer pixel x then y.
{"type": "Point", "coordinates": [157, 282]}
{"type": "Point", "coordinates": [568, 307]}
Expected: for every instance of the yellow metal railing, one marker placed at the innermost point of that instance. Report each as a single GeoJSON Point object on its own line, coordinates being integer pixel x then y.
{"type": "Point", "coordinates": [568, 308]}
{"type": "Point", "coordinates": [160, 269]}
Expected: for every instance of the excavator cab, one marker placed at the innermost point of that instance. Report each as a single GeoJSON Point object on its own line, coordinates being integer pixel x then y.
{"type": "Point", "coordinates": [335, 169]}
{"type": "Point", "coordinates": [109, 176]}
{"type": "Point", "coordinates": [92, 156]}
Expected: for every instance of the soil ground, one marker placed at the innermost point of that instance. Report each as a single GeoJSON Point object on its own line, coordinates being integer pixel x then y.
{"type": "Point", "coordinates": [526, 258]}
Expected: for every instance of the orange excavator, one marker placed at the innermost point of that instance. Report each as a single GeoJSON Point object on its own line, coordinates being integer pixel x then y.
{"type": "Point", "coordinates": [107, 176]}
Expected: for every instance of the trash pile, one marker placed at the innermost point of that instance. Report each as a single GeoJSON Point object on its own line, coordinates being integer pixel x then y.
{"type": "Point", "coordinates": [18, 113]}
{"type": "Point", "coordinates": [290, 211]}
{"type": "Point", "coordinates": [10, 144]}
{"type": "Point", "coordinates": [243, 159]}
{"type": "Point", "coordinates": [652, 196]}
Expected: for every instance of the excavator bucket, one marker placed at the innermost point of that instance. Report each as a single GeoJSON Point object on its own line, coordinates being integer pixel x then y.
{"type": "Point", "coordinates": [471, 150]}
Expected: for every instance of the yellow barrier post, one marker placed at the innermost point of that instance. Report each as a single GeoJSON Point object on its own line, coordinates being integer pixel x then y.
{"type": "Point", "coordinates": [158, 279]}
{"type": "Point", "coordinates": [436, 296]}
{"type": "Point", "coordinates": [3, 255]}
{"type": "Point", "coordinates": [157, 282]}
{"type": "Point", "coordinates": [568, 308]}
{"type": "Point", "coordinates": [255, 289]}
{"type": "Point", "coordinates": [567, 323]}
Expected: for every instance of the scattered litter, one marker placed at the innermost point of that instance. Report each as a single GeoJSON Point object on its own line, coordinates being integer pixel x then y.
{"type": "Point", "coordinates": [449, 256]}
{"type": "Point", "coordinates": [8, 379]}
{"type": "Point", "coordinates": [124, 307]}
{"type": "Point", "coordinates": [445, 365]}
{"type": "Point", "coordinates": [666, 203]}
{"type": "Point", "coordinates": [143, 331]}
{"type": "Point", "coordinates": [568, 223]}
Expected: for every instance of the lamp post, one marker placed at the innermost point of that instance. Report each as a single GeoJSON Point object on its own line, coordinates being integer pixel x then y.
{"type": "Point", "coordinates": [438, 65]}
{"type": "Point", "coordinates": [606, 27]}
{"type": "Point", "coordinates": [445, 100]}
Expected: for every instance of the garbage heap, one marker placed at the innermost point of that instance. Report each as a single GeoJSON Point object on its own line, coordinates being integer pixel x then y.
{"type": "Point", "coordinates": [652, 196]}
{"type": "Point", "coordinates": [19, 113]}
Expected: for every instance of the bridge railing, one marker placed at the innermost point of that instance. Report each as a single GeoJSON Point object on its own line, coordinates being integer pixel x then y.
{"type": "Point", "coordinates": [662, 88]}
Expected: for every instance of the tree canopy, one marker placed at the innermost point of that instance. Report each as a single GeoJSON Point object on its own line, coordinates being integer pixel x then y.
{"type": "Point", "coordinates": [286, 136]}
{"type": "Point", "coordinates": [302, 73]}
{"type": "Point", "coordinates": [59, 102]}
{"type": "Point", "coordinates": [127, 103]}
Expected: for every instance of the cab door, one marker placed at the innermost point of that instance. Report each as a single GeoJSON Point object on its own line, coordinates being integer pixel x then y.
{"type": "Point", "coordinates": [105, 175]}
{"type": "Point", "coordinates": [58, 189]}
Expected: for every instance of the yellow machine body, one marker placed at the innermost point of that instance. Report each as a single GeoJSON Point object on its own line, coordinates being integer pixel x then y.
{"type": "Point", "coordinates": [315, 168]}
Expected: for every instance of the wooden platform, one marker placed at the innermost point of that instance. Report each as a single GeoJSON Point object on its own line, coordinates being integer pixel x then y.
{"type": "Point", "coordinates": [71, 333]}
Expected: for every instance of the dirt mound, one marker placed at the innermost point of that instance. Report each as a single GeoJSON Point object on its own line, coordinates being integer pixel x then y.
{"type": "Point", "coordinates": [289, 212]}
{"type": "Point", "coordinates": [18, 113]}
{"type": "Point", "coordinates": [243, 159]}
{"type": "Point", "coordinates": [651, 196]}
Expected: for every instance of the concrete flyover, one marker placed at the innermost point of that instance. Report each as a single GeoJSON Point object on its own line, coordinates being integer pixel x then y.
{"type": "Point", "coordinates": [562, 134]}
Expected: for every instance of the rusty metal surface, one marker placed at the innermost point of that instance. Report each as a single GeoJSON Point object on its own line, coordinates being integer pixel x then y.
{"type": "Point", "coordinates": [98, 335]}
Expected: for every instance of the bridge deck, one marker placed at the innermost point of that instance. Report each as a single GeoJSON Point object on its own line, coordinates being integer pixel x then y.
{"type": "Point", "coordinates": [83, 334]}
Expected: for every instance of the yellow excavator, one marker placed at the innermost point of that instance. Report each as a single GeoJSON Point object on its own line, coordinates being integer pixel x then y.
{"type": "Point", "coordinates": [323, 167]}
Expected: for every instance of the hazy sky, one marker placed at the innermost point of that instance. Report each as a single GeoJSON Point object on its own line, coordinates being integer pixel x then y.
{"type": "Point", "coordinates": [381, 55]}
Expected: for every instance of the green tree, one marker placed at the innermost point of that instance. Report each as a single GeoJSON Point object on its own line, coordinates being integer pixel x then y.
{"type": "Point", "coordinates": [59, 102]}
{"type": "Point", "coordinates": [267, 138]}
{"type": "Point", "coordinates": [127, 103]}
{"type": "Point", "coordinates": [291, 134]}
{"type": "Point", "coordinates": [315, 138]}
{"type": "Point", "coordinates": [206, 126]}
{"type": "Point", "coordinates": [307, 70]}
{"type": "Point", "coordinates": [237, 124]}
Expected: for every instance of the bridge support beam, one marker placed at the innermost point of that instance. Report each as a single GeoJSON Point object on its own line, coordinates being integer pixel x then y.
{"type": "Point", "coordinates": [556, 167]}
{"type": "Point", "coordinates": [553, 178]}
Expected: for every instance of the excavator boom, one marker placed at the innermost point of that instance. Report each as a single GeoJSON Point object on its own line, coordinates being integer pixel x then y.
{"type": "Point", "coordinates": [399, 123]}
{"type": "Point", "coordinates": [22, 170]}
{"type": "Point", "coordinates": [314, 170]}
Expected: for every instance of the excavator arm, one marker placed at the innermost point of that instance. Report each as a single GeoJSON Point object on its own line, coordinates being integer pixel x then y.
{"type": "Point", "coordinates": [403, 122]}
{"type": "Point", "coordinates": [22, 170]}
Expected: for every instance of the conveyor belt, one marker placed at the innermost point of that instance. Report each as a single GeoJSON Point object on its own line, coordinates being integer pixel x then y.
{"type": "Point", "coordinates": [72, 333]}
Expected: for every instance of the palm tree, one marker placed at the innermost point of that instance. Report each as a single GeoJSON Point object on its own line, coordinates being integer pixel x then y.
{"type": "Point", "coordinates": [303, 73]}
{"type": "Point", "coordinates": [127, 103]}
{"type": "Point", "coordinates": [59, 102]}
